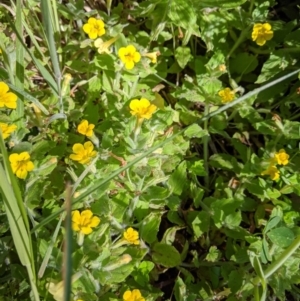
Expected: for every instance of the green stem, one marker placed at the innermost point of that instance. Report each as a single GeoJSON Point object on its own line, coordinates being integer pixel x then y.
{"type": "Point", "coordinates": [205, 148]}
{"type": "Point", "coordinates": [286, 254]}
{"type": "Point", "coordinates": [239, 41]}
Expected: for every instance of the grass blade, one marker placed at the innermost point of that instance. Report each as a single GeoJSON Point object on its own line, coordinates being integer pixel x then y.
{"type": "Point", "coordinates": [20, 70]}
{"type": "Point", "coordinates": [17, 218]}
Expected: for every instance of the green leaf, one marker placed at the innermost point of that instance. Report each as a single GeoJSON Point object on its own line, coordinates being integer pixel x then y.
{"type": "Point", "coordinates": [278, 61]}
{"type": "Point", "coordinates": [142, 273]}
{"type": "Point", "coordinates": [180, 290]}
{"type": "Point", "coordinates": [182, 14]}
{"type": "Point", "coordinates": [235, 281]}
{"type": "Point", "coordinates": [272, 223]}
{"type": "Point", "coordinates": [281, 236]}
{"type": "Point", "coordinates": [178, 179]}
{"type": "Point", "coordinates": [183, 55]}
{"type": "Point", "coordinates": [213, 254]}
{"type": "Point", "coordinates": [200, 224]}
{"type": "Point", "coordinates": [150, 226]}
{"type": "Point", "coordinates": [243, 63]}
{"type": "Point", "coordinates": [165, 255]}
{"type": "Point", "coordinates": [219, 3]}
{"type": "Point", "coordinates": [224, 161]}
{"type": "Point", "coordinates": [195, 131]}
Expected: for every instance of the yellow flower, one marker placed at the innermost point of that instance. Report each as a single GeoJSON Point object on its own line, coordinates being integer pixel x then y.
{"type": "Point", "coordinates": [227, 95]}
{"type": "Point", "coordinates": [134, 295]}
{"type": "Point", "coordinates": [21, 164]}
{"type": "Point", "coordinates": [142, 108]}
{"type": "Point", "coordinates": [7, 129]}
{"type": "Point", "coordinates": [129, 56]}
{"type": "Point", "coordinates": [282, 157]}
{"type": "Point", "coordinates": [103, 47]}
{"type": "Point", "coordinates": [152, 56]}
{"type": "Point", "coordinates": [273, 172]}
{"type": "Point", "coordinates": [222, 68]}
{"type": "Point", "coordinates": [132, 236]}
{"type": "Point", "coordinates": [84, 222]}
{"type": "Point", "coordinates": [262, 33]}
{"type": "Point", "coordinates": [85, 128]}
{"type": "Point", "coordinates": [94, 28]}
{"type": "Point", "coordinates": [7, 99]}
{"type": "Point", "coordinates": [83, 153]}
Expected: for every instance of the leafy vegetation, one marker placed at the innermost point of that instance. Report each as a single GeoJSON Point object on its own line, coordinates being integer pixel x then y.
{"type": "Point", "coordinates": [149, 150]}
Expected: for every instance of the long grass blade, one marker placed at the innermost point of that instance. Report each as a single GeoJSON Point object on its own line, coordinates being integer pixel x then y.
{"type": "Point", "coordinates": [20, 70]}
{"type": "Point", "coordinates": [48, 19]}
{"type": "Point", "coordinates": [68, 245]}
{"type": "Point", "coordinates": [29, 97]}
{"type": "Point", "coordinates": [17, 218]}
{"type": "Point", "coordinates": [44, 72]}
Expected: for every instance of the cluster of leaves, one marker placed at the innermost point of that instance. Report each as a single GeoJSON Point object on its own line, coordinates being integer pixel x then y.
{"type": "Point", "coordinates": [185, 207]}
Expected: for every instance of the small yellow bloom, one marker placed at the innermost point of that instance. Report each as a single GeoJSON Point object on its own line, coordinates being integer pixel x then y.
{"type": "Point", "coordinates": [134, 295]}
{"type": "Point", "coordinates": [103, 47]}
{"type": "Point", "coordinates": [129, 55]}
{"type": "Point", "coordinates": [132, 236]}
{"type": "Point", "coordinates": [7, 99]}
{"type": "Point", "coordinates": [282, 157]}
{"type": "Point", "coordinates": [152, 56]}
{"type": "Point", "coordinates": [262, 33]}
{"type": "Point", "coordinates": [142, 108]}
{"type": "Point", "coordinates": [227, 95]}
{"type": "Point", "coordinates": [84, 222]}
{"type": "Point", "coordinates": [21, 164]}
{"type": "Point", "coordinates": [83, 153]}
{"type": "Point", "coordinates": [273, 172]}
{"type": "Point", "coordinates": [222, 68]}
{"type": "Point", "coordinates": [85, 128]}
{"type": "Point", "coordinates": [7, 129]}
{"type": "Point", "coordinates": [94, 28]}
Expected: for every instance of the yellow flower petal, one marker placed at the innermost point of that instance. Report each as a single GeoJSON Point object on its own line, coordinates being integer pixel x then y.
{"type": "Point", "coordinates": [86, 214]}
{"type": "Point", "coordinates": [126, 295]}
{"type": "Point", "coordinates": [89, 146]}
{"type": "Point", "coordinates": [3, 88]}
{"type": "Point", "coordinates": [78, 148]}
{"type": "Point", "coordinates": [86, 230]}
{"type": "Point", "coordinates": [95, 221]}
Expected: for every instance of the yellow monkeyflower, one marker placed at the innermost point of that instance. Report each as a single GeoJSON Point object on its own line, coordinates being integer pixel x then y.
{"type": "Point", "coordinates": [222, 68]}
{"type": "Point", "coordinates": [282, 157]}
{"type": "Point", "coordinates": [83, 153]}
{"type": "Point", "coordinates": [84, 222]}
{"type": "Point", "coordinates": [21, 164]}
{"type": "Point", "coordinates": [129, 55]}
{"type": "Point", "coordinates": [262, 33]}
{"type": "Point", "coordinates": [7, 99]}
{"type": "Point", "coordinates": [7, 129]}
{"type": "Point", "coordinates": [85, 128]}
{"type": "Point", "coordinates": [152, 56]}
{"type": "Point", "coordinates": [103, 47]}
{"type": "Point", "coordinates": [131, 236]}
{"type": "Point", "coordinates": [134, 295]}
{"type": "Point", "coordinates": [142, 108]}
{"type": "Point", "coordinates": [272, 171]}
{"type": "Point", "coordinates": [94, 28]}
{"type": "Point", "coordinates": [227, 95]}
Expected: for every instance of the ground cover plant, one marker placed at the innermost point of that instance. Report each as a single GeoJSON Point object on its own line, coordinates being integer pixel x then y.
{"type": "Point", "coordinates": [149, 150]}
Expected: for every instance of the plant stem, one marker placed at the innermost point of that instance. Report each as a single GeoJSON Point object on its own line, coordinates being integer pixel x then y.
{"type": "Point", "coordinates": [205, 148]}
{"type": "Point", "coordinates": [239, 41]}
{"type": "Point", "coordinates": [286, 254]}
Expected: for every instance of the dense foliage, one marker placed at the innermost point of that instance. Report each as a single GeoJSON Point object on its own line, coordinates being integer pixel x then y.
{"type": "Point", "coordinates": [149, 150]}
